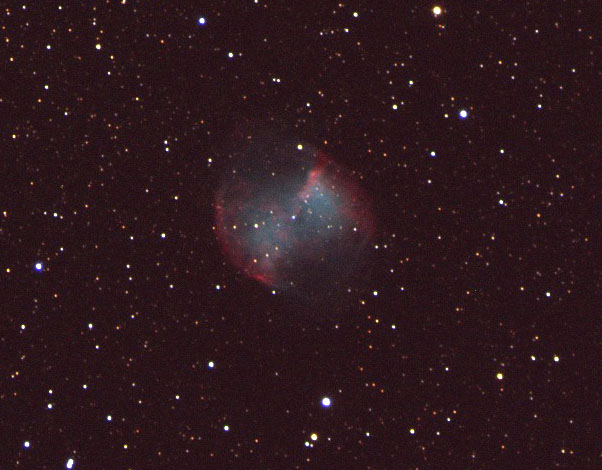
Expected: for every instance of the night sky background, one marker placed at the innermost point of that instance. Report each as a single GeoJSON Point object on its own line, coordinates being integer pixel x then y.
{"type": "Point", "coordinates": [469, 336]}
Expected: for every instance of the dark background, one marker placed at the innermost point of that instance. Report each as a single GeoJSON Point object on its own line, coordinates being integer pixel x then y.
{"type": "Point", "coordinates": [486, 261]}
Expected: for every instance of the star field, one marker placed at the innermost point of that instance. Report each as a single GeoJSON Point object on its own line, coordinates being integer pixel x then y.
{"type": "Point", "coordinates": [470, 335]}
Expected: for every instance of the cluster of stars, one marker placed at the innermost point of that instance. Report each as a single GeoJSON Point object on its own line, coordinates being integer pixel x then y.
{"type": "Point", "coordinates": [476, 145]}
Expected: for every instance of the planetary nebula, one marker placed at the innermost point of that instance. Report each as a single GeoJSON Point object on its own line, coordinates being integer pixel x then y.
{"type": "Point", "coordinates": [291, 218]}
